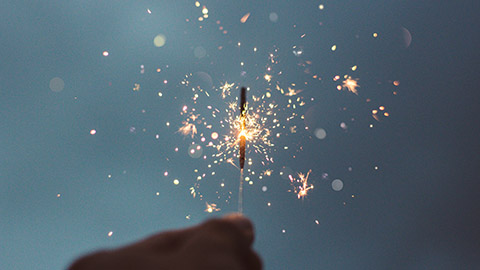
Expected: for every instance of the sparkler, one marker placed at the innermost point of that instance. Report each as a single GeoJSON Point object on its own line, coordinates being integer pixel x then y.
{"type": "Point", "coordinates": [243, 142]}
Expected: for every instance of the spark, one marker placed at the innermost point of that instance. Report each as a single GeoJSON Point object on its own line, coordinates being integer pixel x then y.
{"type": "Point", "coordinates": [136, 87]}
{"type": "Point", "coordinates": [253, 130]}
{"type": "Point", "coordinates": [351, 85]}
{"type": "Point", "coordinates": [211, 208]}
{"type": "Point", "coordinates": [304, 187]}
{"type": "Point", "coordinates": [245, 18]}
{"type": "Point", "coordinates": [230, 161]}
{"type": "Point", "coordinates": [188, 128]}
{"type": "Point", "coordinates": [252, 126]}
{"type": "Point", "coordinates": [232, 106]}
{"type": "Point", "coordinates": [194, 117]}
{"type": "Point", "coordinates": [264, 116]}
{"type": "Point", "coordinates": [226, 89]}
{"type": "Point", "coordinates": [267, 172]}
{"type": "Point", "coordinates": [292, 92]}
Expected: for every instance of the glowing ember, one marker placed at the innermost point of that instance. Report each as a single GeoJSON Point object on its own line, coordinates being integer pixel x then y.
{"type": "Point", "coordinates": [245, 18]}
{"type": "Point", "coordinates": [304, 187]}
{"type": "Point", "coordinates": [211, 208]}
{"type": "Point", "coordinates": [351, 85]}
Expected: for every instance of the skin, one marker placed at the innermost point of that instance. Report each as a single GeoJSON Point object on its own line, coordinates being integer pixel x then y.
{"type": "Point", "coordinates": [224, 243]}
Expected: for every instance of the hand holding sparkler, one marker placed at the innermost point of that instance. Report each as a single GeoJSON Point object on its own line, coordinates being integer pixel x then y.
{"type": "Point", "coordinates": [224, 243]}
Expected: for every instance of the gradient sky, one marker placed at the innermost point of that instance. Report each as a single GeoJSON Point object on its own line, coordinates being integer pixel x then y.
{"type": "Point", "coordinates": [410, 195]}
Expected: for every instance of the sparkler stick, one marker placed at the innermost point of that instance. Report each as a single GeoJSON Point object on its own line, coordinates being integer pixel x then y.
{"type": "Point", "coordinates": [243, 142]}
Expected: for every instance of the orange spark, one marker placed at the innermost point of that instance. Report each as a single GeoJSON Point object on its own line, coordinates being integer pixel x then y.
{"type": "Point", "coordinates": [188, 128]}
{"type": "Point", "coordinates": [351, 85]}
{"type": "Point", "coordinates": [245, 18]}
{"type": "Point", "coordinates": [305, 186]}
{"type": "Point", "coordinates": [211, 208]}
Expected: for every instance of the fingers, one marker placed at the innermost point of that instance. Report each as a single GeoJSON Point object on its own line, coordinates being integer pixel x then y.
{"type": "Point", "coordinates": [98, 260]}
{"type": "Point", "coordinates": [226, 240]}
{"type": "Point", "coordinates": [224, 243]}
{"type": "Point", "coordinates": [252, 261]}
{"type": "Point", "coordinates": [244, 224]}
{"type": "Point", "coordinates": [238, 227]}
{"type": "Point", "coordinates": [235, 229]}
{"type": "Point", "coordinates": [166, 241]}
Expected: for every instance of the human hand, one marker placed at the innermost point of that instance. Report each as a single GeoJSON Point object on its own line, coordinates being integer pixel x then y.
{"type": "Point", "coordinates": [224, 243]}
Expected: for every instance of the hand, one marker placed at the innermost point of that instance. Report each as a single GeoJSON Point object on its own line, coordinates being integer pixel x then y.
{"type": "Point", "coordinates": [224, 243]}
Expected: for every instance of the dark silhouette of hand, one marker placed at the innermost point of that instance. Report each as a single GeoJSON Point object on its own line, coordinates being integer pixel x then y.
{"type": "Point", "coordinates": [224, 243]}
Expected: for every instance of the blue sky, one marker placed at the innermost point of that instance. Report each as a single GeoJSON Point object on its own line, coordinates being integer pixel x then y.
{"type": "Point", "coordinates": [409, 198]}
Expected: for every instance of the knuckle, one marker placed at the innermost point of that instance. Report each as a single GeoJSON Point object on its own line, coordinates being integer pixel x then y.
{"type": "Point", "coordinates": [91, 261]}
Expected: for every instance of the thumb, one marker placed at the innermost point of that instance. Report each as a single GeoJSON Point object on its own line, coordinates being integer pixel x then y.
{"type": "Point", "coordinates": [244, 224]}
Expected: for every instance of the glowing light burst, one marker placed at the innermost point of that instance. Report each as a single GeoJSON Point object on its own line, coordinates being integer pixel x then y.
{"type": "Point", "coordinates": [304, 187]}
{"type": "Point", "coordinates": [269, 113]}
{"type": "Point", "coordinates": [188, 128]}
{"type": "Point", "coordinates": [350, 84]}
{"type": "Point", "coordinates": [292, 92]}
{"type": "Point", "coordinates": [259, 123]}
{"type": "Point", "coordinates": [226, 89]}
{"type": "Point", "coordinates": [255, 132]}
{"type": "Point", "coordinates": [188, 125]}
{"type": "Point", "coordinates": [273, 111]}
{"type": "Point", "coordinates": [211, 207]}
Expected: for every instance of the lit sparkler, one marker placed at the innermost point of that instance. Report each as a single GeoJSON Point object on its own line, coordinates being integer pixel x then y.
{"type": "Point", "coordinates": [243, 142]}
{"type": "Point", "coordinates": [265, 118]}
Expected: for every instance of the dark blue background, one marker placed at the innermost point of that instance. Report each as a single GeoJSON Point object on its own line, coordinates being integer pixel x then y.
{"type": "Point", "coordinates": [419, 210]}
